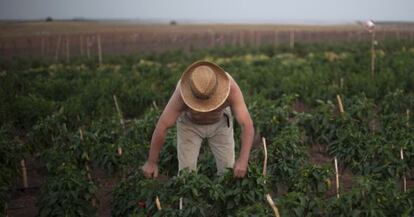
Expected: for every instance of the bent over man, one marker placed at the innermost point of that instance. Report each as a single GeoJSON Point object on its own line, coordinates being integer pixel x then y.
{"type": "Point", "coordinates": [203, 104]}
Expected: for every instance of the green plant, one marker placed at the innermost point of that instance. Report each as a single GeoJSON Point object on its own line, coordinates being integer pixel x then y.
{"type": "Point", "coordinates": [67, 192]}
{"type": "Point", "coordinates": [240, 193]}
{"type": "Point", "coordinates": [11, 152]}
{"type": "Point", "coordinates": [320, 124]}
{"type": "Point", "coordinates": [298, 204]}
{"type": "Point", "coordinates": [104, 138]}
{"type": "Point", "coordinates": [135, 196]}
{"type": "Point", "coordinates": [270, 117]}
{"type": "Point", "coordinates": [195, 191]}
{"type": "Point", "coordinates": [286, 154]}
{"type": "Point", "coordinates": [372, 198]}
{"type": "Point", "coordinates": [312, 180]}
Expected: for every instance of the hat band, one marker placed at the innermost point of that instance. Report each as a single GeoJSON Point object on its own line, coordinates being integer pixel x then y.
{"type": "Point", "coordinates": [202, 95]}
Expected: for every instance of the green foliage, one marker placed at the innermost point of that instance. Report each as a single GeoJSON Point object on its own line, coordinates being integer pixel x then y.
{"type": "Point", "coordinates": [239, 193]}
{"type": "Point", "coordinates": [286, 154]}
{"type": "Point", "coordinates": [135, 196]}
{"type": "Point", "coordinates": [104, 137]}
{"type": "Point", "coordinates": [298, 204]}
{"type": "Point", "coordinates": [367, 153]}
{"type": "Point", "coordinates": [313, 180]}
{"type": "Point", "coordinates": [197, 192]}
{"type": "Point", "coordinates": [45, 104]}
{"type": "Point", "coordinates": [307, 192]}
{"type": "Point", "coordinates": [168, 157]}
{"type": "Point", "coordinates": [67, 192]}
{"type": "Point", "coordinates": [11, 153]}
{"type": "Point", "coordinates": [260, 208]}
{"type": "Point", "coordinates": [44, 133]}
{"type": "Point", "coordinates": [270, 117]}
{"type": "Point", "coordinates": [372, 198]}
{"type": "Point", "coordinates": [320, 124]}
{"type": "Point", "coordinates": [201, 195]}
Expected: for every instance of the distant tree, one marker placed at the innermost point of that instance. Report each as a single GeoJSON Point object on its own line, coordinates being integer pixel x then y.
{"type": "Point", "coordinates": [49, 19]}
{"type": "Point", "coordinates": [173, 22]}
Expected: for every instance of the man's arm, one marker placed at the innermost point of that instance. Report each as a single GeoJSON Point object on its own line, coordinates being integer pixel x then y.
{"type": "Point", "coordinates": [167, 119]}
{"type": "Point", "coordinates": [242, 116]}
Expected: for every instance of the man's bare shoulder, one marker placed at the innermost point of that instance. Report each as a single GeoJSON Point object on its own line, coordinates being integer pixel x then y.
{"type": "Point", "coordinates": [173, 109]}
{"type": "Point", "coordinates": [176, 102]}
{"type": "Point", "coordinates": [235, 92]}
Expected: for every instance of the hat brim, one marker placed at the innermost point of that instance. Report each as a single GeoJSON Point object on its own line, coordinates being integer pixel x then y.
{"type": "Point", "coordinates": [215, 100]}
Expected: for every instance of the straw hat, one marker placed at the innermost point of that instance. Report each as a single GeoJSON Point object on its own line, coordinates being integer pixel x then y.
{"type": "Point", "coordinates": [204, 86]}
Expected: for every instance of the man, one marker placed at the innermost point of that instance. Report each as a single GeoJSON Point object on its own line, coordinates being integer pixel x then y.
{"type": "Point", "coordinates": [202, 106]}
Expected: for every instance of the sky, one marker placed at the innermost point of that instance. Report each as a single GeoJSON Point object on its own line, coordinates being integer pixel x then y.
{"type": "Point", "coordinates": [216, 11]}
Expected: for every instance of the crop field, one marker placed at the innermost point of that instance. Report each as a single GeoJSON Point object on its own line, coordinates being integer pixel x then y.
{"type": "Point", "coordinates": [75, 132]}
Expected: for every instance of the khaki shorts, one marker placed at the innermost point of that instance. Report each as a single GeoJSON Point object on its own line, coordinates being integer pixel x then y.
{"type": "Point", "coordinates": [220, 139]}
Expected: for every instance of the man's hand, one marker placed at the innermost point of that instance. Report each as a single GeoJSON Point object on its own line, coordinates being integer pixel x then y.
{"type": "Point", "coordinates": [150, 170]}
{"type": "Point", "coordinates": [240, 168]}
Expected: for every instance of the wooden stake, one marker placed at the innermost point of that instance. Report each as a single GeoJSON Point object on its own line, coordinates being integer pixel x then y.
{"type": "Point", "coordinates": [292, 39]}
{"type": "Point", "coordinates": [273, 205]}
{"type": "Point", "coordinates": [373, 54]}
{"type": "Point", "coordinates": [258, 39]}
{"type": "Point", "coordinates": [265, 156]}
{"type": "Point", "coordinates": [341, 107]}
{"type": "Point", "coordinates": [337, 177]}
{"type": "Point", "coordinates": [404, 178]}
{"type": "Point", "coordinates": [158, 203]}
{"type": "Point", "coordinates": [276, 38]}
{"type": "Point", "coordinates": [99, 50]}
{"type": "Point", "coordinates": [42, 46]}
{"type": "Point", "coordinates": [14, 46]}
{"type": "Point", "coordinates": [402, 154]}
{"type": "Point", "coordinates": [81, 45]}
{"type": "Point", "coordinates": [88, 45]}
{"type": "Point", "coordinates": [233, 39]}
{"type": "Point", "coordinates": [155, 105]}
{"type": "Point", "coordinates": [241, 35]}
{"type": "Point", "coordinates": [81, 134]}
{"type": "Point", "coordinates": [268, 197]}
{"type": "Point", "coordinates": [30, 46]}
{"type": "Point", "coordinates": [119, 151]}
{"type": "Point", "coordinates": [57, 48]}
{"type": "Point", "coordinates": [24, 173]}
{"type": "Point", "coordinates": [213, 39]}
{"type": "Point", "coordinates": [121, 120]}
{"type": "Point", "coordinates": [47, 45]}
{"type": "Point", "coordinates": [67, 50]}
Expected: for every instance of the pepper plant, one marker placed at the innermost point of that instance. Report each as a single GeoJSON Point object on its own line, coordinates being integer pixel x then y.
{"type": "Point", "coordinates": [67, 192]}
